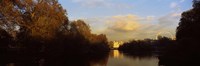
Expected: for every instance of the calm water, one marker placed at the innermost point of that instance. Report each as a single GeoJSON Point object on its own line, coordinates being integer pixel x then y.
{"type": "Point", "coordinates": [116, 58]}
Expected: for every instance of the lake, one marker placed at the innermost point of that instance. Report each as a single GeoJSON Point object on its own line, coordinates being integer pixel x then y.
{"type": "Point", "coordinates": [116, 58]}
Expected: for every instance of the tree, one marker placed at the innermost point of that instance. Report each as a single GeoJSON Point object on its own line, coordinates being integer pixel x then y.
{"type": "Point", "coordinates": [189, 24]}
{"type": "Point", "coordinates": [80, 28]}
{"type": "Point", "coordinates": [186, 50]}
{"type": "Point", "coordinates": [42, 31]}
{"type": "Point", "coordinates": [196, 3]}
{"type": "Point", "coordinates": [42, 18]}
{"type": "Point", "coordinates": [33, 23]}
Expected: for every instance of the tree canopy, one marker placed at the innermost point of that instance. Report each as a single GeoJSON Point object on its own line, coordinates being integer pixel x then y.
{"type": "Point", "coordinates": [80, 28]}
{"type": "Point", "coordinates": [41, 18]}
{"type": "Point", "coordinates": [34, 30]}
{"type": "Point", "coordinates": [186, 49]}
{"type": "Point", "coordinates": [189, 23]}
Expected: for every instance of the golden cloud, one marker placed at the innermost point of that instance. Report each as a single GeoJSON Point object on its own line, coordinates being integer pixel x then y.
{"type": "Point", "coordinates": [127, 27]}
{"type": "Point", "coordinates": [124, 23]}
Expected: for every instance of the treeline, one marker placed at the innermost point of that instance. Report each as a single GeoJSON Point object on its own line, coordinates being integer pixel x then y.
{"type": "Point", "coordinates": [147, 46]}
{"type": "Point", "coordinates": [186, 51]}
{"type": "Point", "coordinates": [38, 33]}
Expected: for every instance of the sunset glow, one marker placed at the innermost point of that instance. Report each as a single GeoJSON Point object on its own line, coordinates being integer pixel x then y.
{"type": "Point", "coordinates": [99, 32]}
{"type": "Point", "coordinates": [128, 19]}
{"type": "Point", "coordinates": [116, 44]}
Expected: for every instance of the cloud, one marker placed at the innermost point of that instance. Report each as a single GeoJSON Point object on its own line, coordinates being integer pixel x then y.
{"type": "Point", "coordinates": [171, 19]}
{"type": "Point", "coordinates": [123, 23]}
{"type": "Point", "coordinates": [150, 18]}
{"type": "Point", "coordinates": [127, 27]}
{"type": "Point", "coordinates": [167, 24]}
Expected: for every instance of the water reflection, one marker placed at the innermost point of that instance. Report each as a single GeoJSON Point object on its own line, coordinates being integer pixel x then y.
{"type": "Point", "coordinates": [119, 59]}
{"type": "Point", "coordinates": [116, 54]}
{"type": "Point", "coordinates": [114, 58]}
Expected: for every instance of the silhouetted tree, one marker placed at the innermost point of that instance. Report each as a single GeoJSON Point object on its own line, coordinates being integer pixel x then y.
{"type": "Point", "coordinates": [147, 46]}
{"type": "Point", "coordinates": [189, 23]}
{"type": "Point", "coordinates": [186, 51]}
{"type": "Point", "coordinates": [75, 41]}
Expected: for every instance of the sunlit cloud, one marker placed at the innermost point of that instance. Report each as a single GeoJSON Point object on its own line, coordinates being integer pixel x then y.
{"type": "Point", "coordinates": [129, 19]}
{"type": "Point", "coordinates": [124, 23]}
{"type": "Point", "coordinates": [127, 27]}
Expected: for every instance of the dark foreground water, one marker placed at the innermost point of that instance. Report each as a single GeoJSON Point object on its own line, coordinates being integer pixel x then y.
{"type": "Point", "coordinates": [116, 58]}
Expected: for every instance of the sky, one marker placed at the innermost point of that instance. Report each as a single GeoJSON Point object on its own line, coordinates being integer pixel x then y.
{"type": "Point", "coordinates": [124, 20]}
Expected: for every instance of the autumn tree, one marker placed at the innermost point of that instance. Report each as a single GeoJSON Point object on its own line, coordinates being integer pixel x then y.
{"type": "Point", "coordinates": [41, 27]}
{"type": "Point", "coordinates": [41, 18]}
{"type": "Point", "coordinates": [31, 22]}
{"type": "Point", "coordinates": [80, 28]}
